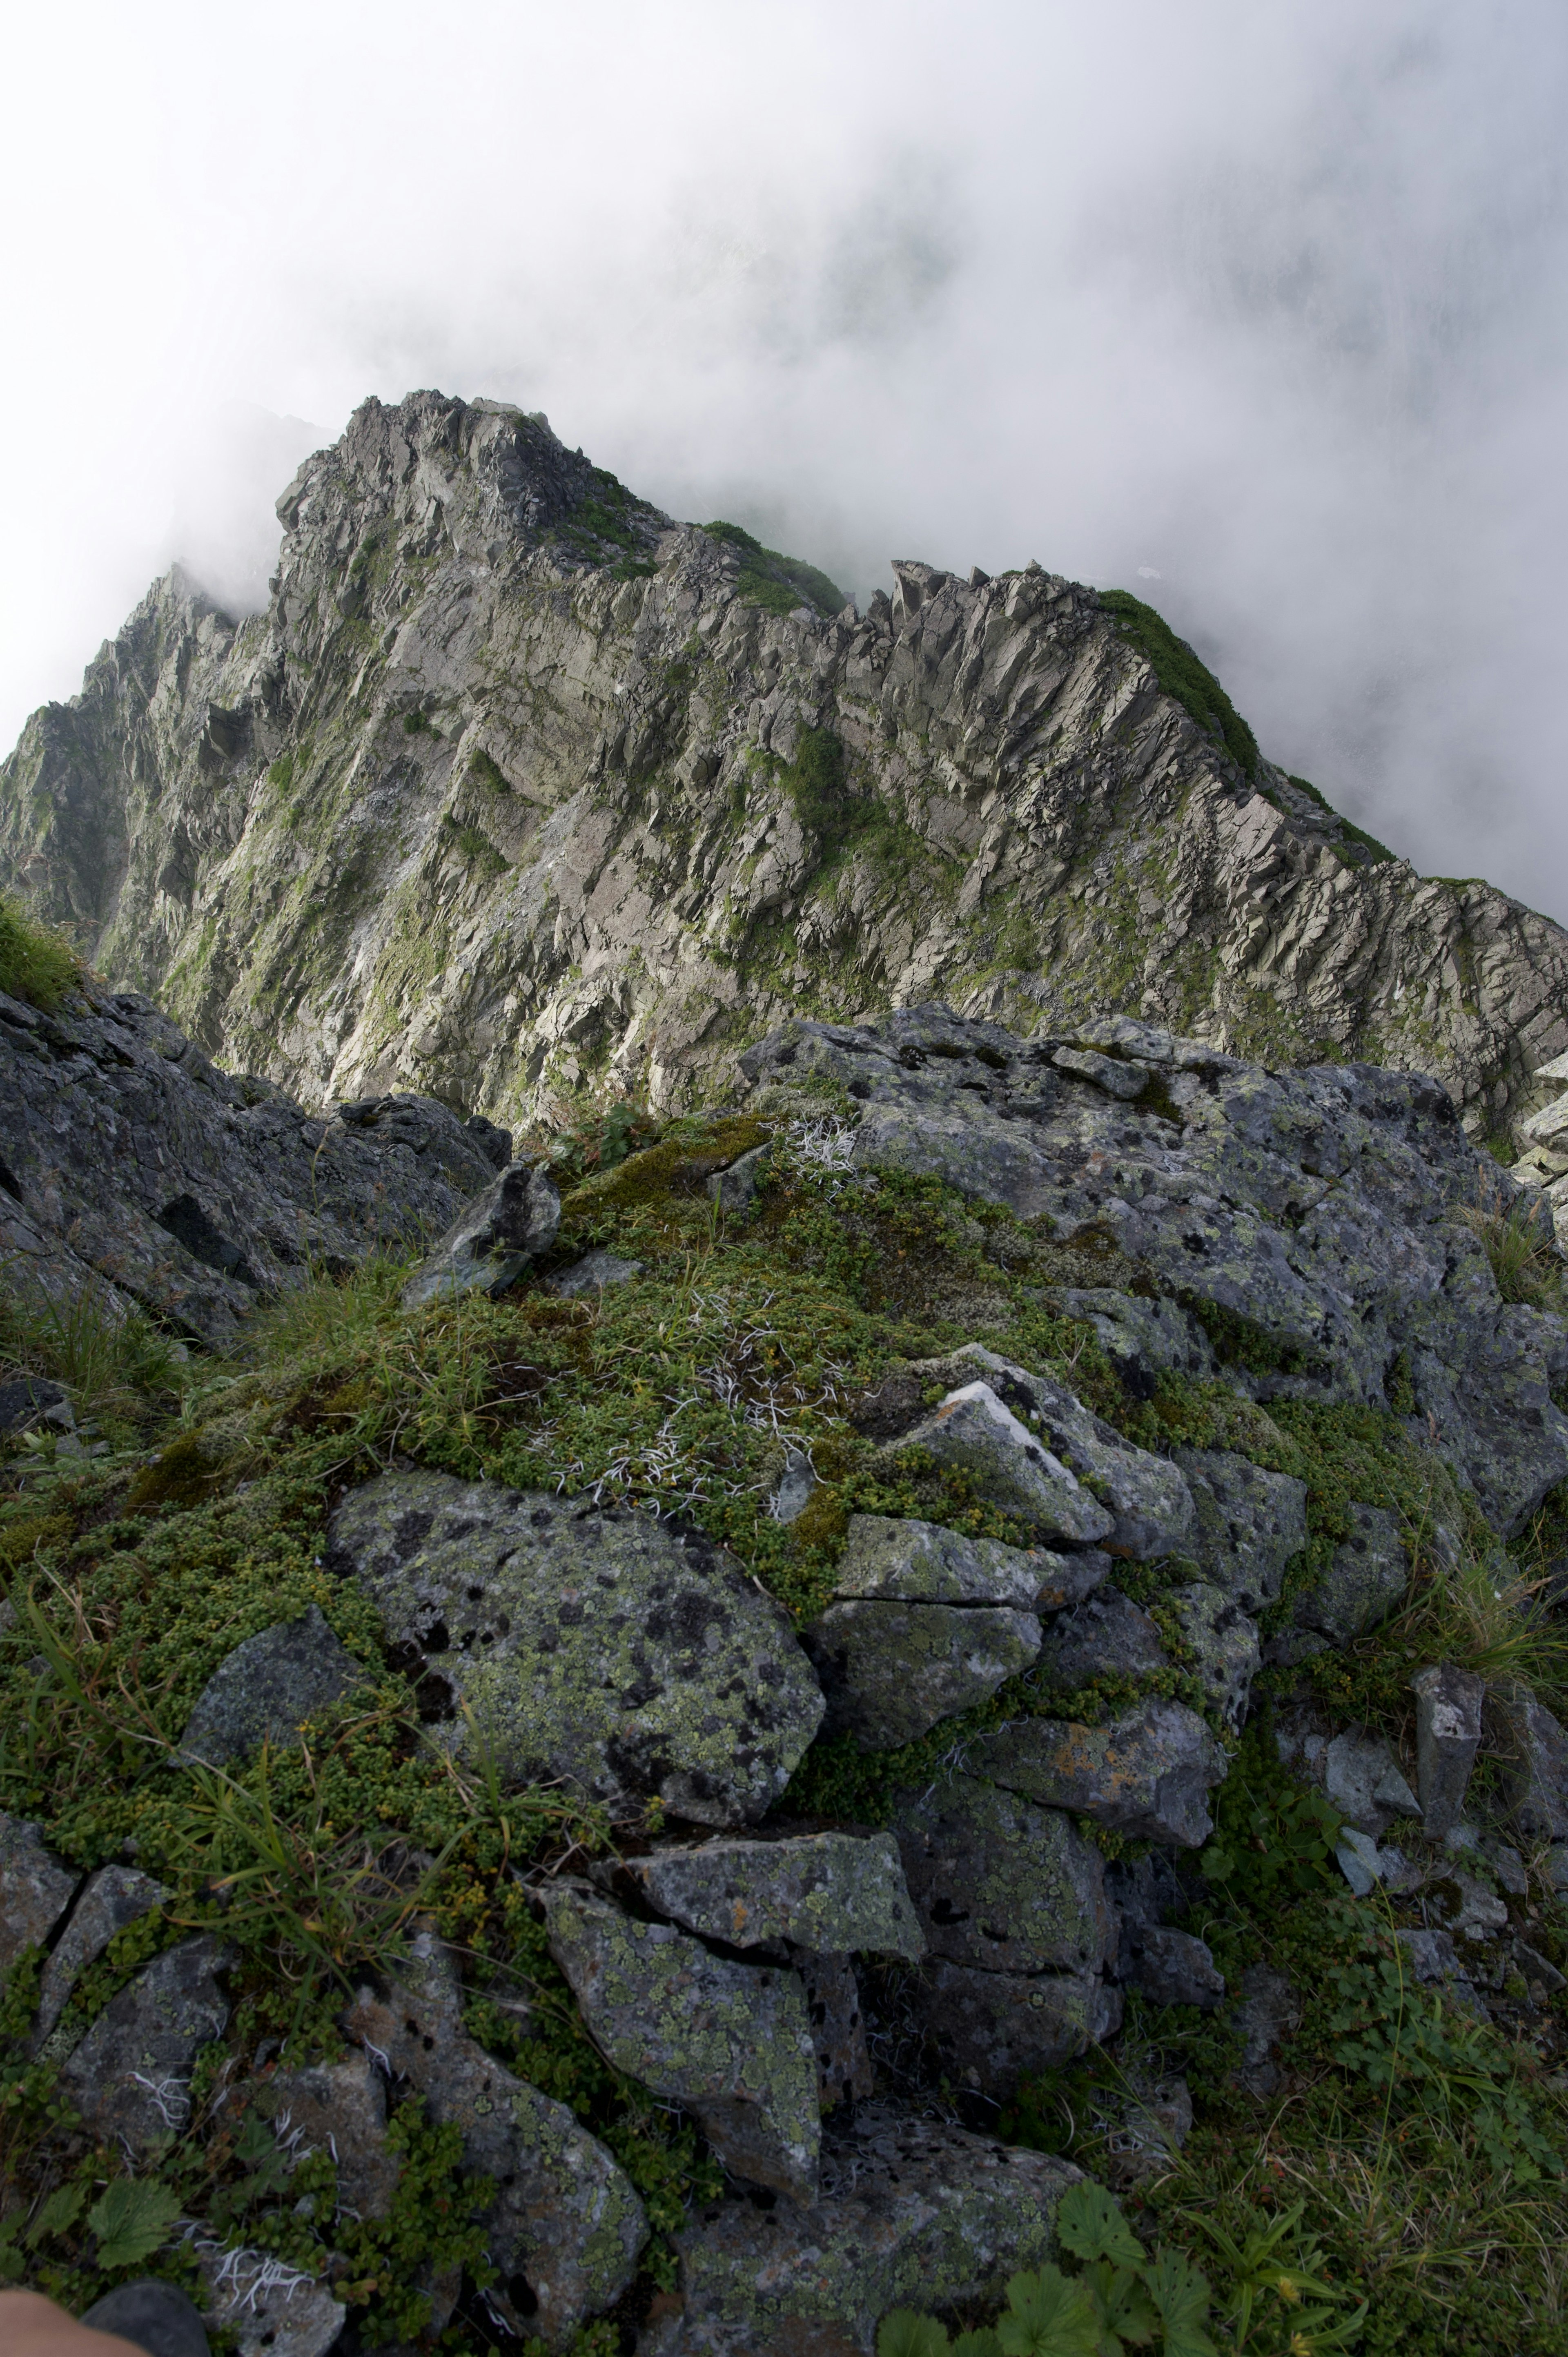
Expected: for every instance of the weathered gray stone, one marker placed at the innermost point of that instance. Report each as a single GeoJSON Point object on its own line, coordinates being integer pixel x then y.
{"type": "Point", "coordinates": [1173, 1968]}
{"type": "Point", "coordinates": [36, 1889]}
{"type": "Point", "coordinates": [492, 1240]}
{"type": "Point", "coordinates": [1250, 1523]}
{"type": "Point", "coordinates": [267, 1688]}
{"type": "Point", "coordinates": [1001, 1883]}
{"type": "Point", "coordinates": [844, 2074]}
{"type": "Point", "coordinates": [1106, 1636]}
{"type": "Point", "coordinates": [1365, 1580]}
{"type": "Point", "coordinates": [1154, 2122]}
{"type": "Point", "coordinates": [1359, 1862]}
{"type": "Point", "coordinates": [1147, 1773]}
{"type": "Point", "coordinates": [154, 2316]}
{"type": "Point", "coordinates": [1143, 1340]}
{"type": "Point", "coordinates": [592, 1273]}
{"type": "Point", "coordinates": [1225, 1647]}
{"type": "Point", "coordinates": [28, 1402]}
{"type": "Point", "coordinates": [972, 1429]}
{"type": "Point", "coordinates": [565, 2218]}
{"type": "Point", "coordinates": [130, 2075]}
{"type": "Point", "coordinates": [1464, 1905]}
{"type": "Point", "coordinates": [912, 2214]}
{"type": "Point", "coordinates": [1533, 1751]}
{"type": "Point", "coordinates": [1118, 1080]}
{"type": "Point", "coordinates": [733, 1190]}
{"type": "Point", "coordinates": [826, 1891]}
{"type": "Point", "coordinates": [1365, 1782]}
{"type": "Point", "coordinates": [730, 2041]}
{"type": "Point", "coordinates": [597, 1645]}
{"type": "Point", "coordinates": [270, 2311]}
{"type": "Point", "coordinates": [797, 1486]}
{"type": "Point", "coordinates": [992, 2029]}
{"type": "Point", "coordinates": [1147, 1495]}
{"type": "Point", "coordinates": [1448, 1737]}
{"type": "Point", "coordinates": [1268, 2012]}
{"type": "Point", "coordinates": [890, 1671]}
{"type": "Point", "coordinates": [114, 1897]}
{"type": "Point", "coordinates": [340, 2108]}
{"type": "Point", "coordinates": [921, 1563]}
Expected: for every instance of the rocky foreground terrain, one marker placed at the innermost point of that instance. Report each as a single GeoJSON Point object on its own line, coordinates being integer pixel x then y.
{"type": "Point", "coordinates": [518, 785]}
{"type": "Point", "coordinates": [662, 1746]}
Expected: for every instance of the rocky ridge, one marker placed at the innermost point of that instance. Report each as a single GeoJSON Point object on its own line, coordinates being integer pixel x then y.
{"type": "Point", "coordinates": [515, 787]}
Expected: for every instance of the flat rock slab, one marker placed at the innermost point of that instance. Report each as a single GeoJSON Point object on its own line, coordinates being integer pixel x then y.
{"type": "Point", "coordinates": [1365, 1782]}
{"type": "Point", "coordinates": [1448, 1711]}
{"type": "Point", "coordinates": [1148, 1773]}
{"type": "Point", "coordinates": [1106, 1636]}
{"type": "Point", "coordinates": [270, 2311]}
{"type": "Point", "coordinates": [911, 2214]}
{"type": "Point", "coordinates": [592, 1273]}
{"type": "Point", "coordinates": [36, 1889]}
{"type": "Point", "coordinates": [992, 2029]}
{"type": "Point", "coordinates": [920, 1562]}
{"type": "Point", "coordinates": [130, 2075]}
{"type": "Point", "coordinates": [268, 1689]}
{"type": "Point", "coordinates": [1001, 1883]}
{"type": "Point", "coordinates": [824, 1891]}
{"type": "Point", "coordinates": [597, 1646]}
{"type": "Point", "coordinates": [730, 2041]}
{"type": "Point", "coordinates": [1250, 1523]}
{"type": "Point", "coordinates": [892, 1672]}
{"type": "Point", "coordinates": [566, 2217]}
{"type": "Point", "coordinates": [340, 2108]}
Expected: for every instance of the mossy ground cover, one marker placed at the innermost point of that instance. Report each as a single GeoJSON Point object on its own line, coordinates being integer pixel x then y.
{"type": "Point", "coordinates": [132, 1577]}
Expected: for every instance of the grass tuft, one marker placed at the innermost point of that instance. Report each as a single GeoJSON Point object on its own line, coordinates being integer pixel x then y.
{"type": "Point", "coordinates": [36, 964]}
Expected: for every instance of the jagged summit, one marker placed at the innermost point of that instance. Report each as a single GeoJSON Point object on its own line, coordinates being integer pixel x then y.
{"type": "Point", "coordinates": [518, 785]}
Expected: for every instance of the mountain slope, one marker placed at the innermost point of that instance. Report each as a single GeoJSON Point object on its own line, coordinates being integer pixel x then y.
{"type": "Point", "coordinates": [518, 785]}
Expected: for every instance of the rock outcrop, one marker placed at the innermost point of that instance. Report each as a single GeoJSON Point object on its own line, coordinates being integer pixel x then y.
{"type": "Point", "coordinates": [515, 784]}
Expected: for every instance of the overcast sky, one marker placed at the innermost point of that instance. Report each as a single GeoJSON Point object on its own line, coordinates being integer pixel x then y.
{"type": "Point", "coordinates": [1258, 310]}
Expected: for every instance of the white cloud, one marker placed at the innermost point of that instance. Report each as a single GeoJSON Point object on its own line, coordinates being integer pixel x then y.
{"type": "Point", "coordinates": [1260, 303]}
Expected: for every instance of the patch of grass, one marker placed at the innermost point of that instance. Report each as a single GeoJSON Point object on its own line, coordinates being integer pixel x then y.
{"type": "Point", "coordinates": [476, 846]}
{"type": "Point", "coordinates": [1376, 852]}
{"type": "Point", "coordinates": [1183, 676]}
{"type": "Point", "coordinates": [117, 1367]}
{"type": "Point", "coordinates": [777, 582]}
{"type": "Point", "coordinates": [36, 964]}
{"type": "Point", "coordinates": [1520, 1243]}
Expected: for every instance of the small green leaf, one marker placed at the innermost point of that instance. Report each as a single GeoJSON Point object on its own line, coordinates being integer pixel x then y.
{"type": "Point", "coordinates": [983, 2344]}
{"type": "Point", "coordinates": [1125, 2312]}
{"type": "Point", "coordinates": [63, 2209]}
{"type": "Point", "coordinates": [904, 2334]}
{"type": "Point", "coordinates": [1180, 2293]}
{"type": "Point", "coordinates": [1090, 2225]}
{"type": "Point", "coordinates": [132, 2220]}
{"type": "Point", "coordinates": [1048, 2317]}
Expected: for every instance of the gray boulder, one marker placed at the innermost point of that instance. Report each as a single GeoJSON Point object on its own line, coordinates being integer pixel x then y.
{"type": "Point", "coordinates": [1448, 1712]}
{"type": "Point", "coordinates": [1268, 2012]}
{"type": "Point", "coordinates": [592, 1273]}
{"type": "Point", "coordinates": [1250, 1523]}
{"type": "Point", "coordinates": [111, 1899]}
{"type": "Point", "coordinates": [566, 2217]}
{"type": "Point", "coordinates": [130, 2075]}
{"type": "Point", "coordinates": [340, 2108]}
{"type": "Point", "coordinates": [824, 1891]}
{"type": "Point", "coordinates": [912, 2214]}
{"type": "Point", "coordinates": [1107, 1636]}
{"type": "Point", "coordinates": [1225, 1646]}
{"type": "Point", "coordinates": [36, 1889]}
{"type": "Point", "coordinates": [731, 2042]}
{"type": "Point", "coordinates": [733, 1189]}
{"type": "Point", "coordinates": [1366, 1577]}
{"type": "Point", "coordinates": [265, 2311]}
{"type": "Point", "coordinates": [992, 2029]}
{"type": "Point", "coordinates": [592, 1644]}
{"type": "Point", "coordinates": [1173, 1968]}
{"type": "Point", "coordinates": [972, 1429]}
{"type": "Point", "coordinates": [1001, 1883]}
{"type": "Point", "coordinates": [920, 1562]}
{"type": "Point", "coordinates": [1365, 1782]}
{"type": "Point", "coordinates": [891, 1672]}
{"type": "Point", "coordinates": [1143, 1340]}
{"type": "Point", "coordinates": [492, 1240]}
{"type": "Point", "coordinates": [268, 1689]}
{"type": "Point", "coordinates": [1534, 1751]}
{"type": "Point", "coordinates": [1146, 1774]}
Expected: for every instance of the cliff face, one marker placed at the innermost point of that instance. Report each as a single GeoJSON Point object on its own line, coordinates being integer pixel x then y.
{"type": "Point", "coordinates": [517, 786]}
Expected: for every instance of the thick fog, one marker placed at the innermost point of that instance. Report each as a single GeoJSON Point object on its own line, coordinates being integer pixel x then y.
{"type": "Point", "coordinates": [1259, 310]}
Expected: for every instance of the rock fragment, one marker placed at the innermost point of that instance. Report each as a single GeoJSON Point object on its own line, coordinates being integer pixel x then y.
{"type": "Point", "coordinates": [826, 1891]}
{"type": "Point", "coordinates": [596, 1645]}
{"type": "Point", "coordinates": [339, 2107]}
{"type": "Point", "coordinates": [1365, 1782]}
{"type": "Point", "coordinates": [731, 2042]}
{"type": "Point", "coordinates": [1107, 1636]}
{"type": "Point", "coordinates": [1448, 1737]}
{"type": "Point", "coordinates": [921, 1563]}
{"type": "Point", "coordinates": [492, 1240]}
{"type": "Point", "coordinates": [891, 1672]}
{"type": "Point", "coordinates": [1533, 1749]}
{"type": "Point", "coordinates": [1365, 1580]}
{"type": "Point", "coordinates": [1225, 1646]}
{"type": "Point", "coordinates": [1173, 1968]}
{"type": "Point", "coordinates": [844, 2074]}
{"type": "Point", "coordinates": [111, 1899]}
{"type": "Point", "coordinates": [272, 2310]}
{"type": "Point", "coordinates": [266, 1690]}
{"type": "Point", "coordinates": [592, 1273]}
{"type": "Point", "coordinates": [1250, 1523]}
{"type": "Point", "coordinates": [130, 2075]}
{"type": "Point", "coordinates": [733, 1190]}
{"type": "Point", "coordinates": [1146, 1773]}
{"type": "Point", "coordinates": [1001, 1883]}
{"type": "Point", "coordinates": [992, 2029]}
{"type": "Point", "coordinates": [972, 1429]}
{"type": "Point", "coordinates": [34, 1889]}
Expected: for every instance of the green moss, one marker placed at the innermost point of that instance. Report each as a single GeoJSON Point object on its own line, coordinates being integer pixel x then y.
{"type": "Point", "coordinates": [37, 965]}
{"type": "Point", "coordinates": [1183, 676]}
{"type": "Point", "coordinates": [779, 584]}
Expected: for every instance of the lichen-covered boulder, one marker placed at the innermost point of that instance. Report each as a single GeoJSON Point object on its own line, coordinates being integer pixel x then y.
{"type": "Point", "coordinates": [920, 1562]}
{"type": "Point", "coordinates": [595, 1645]}
{"type": "Point", "coordinates": [891, 1672]}
{"type": "Point", "coordinates": [266, 1690]}
{"type": "Point", "coordinates": [911, 2214]}
{"type": "Point", "coordinates": [992, 2029]}
{"type": "Point", "coordinates": [565, 2218]}
{"type": "Point", "coordinates": [730, 2041]}
{"type": "Point", "coordinates": [973, 1430]}
{"type": "Point", "coordinates": [1107, 1636]}
{"type": "Point", "coordinates": [1001, 1883]}
{"type": "Point", "coordinates": [36, 1889]}
{"type": "Point", "coordinates": [130, 2075]}
{"type": "Point", "coordinates": [492, 1240]}
{"type": "Point", "coordinates": [824, 1891]}
{"type": "Point", "coordinates": [1147, 1773]}
{"type": "Point", "coordinates": [1365, 1580]}
{"type": "Point", "coordinates": [1250, 1523]}
{"type": "Point", "coordinates": [1223, 1643]}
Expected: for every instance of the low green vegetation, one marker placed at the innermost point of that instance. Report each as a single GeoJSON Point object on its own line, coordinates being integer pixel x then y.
{"type": "Point", "coordinates": [1374, 852]}
{"type": "Point", "coordinates": [1519, 1244]}
{"type": "Point", "coordinates": [609, 526]}
{"type": "Point", "coordinates": [779, 584]}
{"type": "Point", "coordinates": [1183, 676]}
{"type": "Point", "coordinates": [36, 964]}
